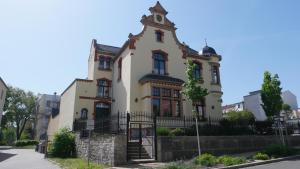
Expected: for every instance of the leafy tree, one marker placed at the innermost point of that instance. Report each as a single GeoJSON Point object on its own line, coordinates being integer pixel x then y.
{"type": "Point", "coordinates": [271, 95]}
{"type": "Point", "coordinates": [194, 92]}
{"type": "Point", "coordinates": [192, 88]}
{"type": "Point", "coordinates": [20, 108]}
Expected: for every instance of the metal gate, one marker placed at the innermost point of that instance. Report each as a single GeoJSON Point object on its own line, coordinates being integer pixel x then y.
{"type": "Point", "coordinates": [141, 136]}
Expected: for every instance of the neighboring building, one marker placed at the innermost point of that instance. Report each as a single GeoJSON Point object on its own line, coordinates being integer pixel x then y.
{"type": "Point", "coordinates": [233, 107]}
{"type": "Point", "coordinates": [146, 74]}
{"type": "Point", "coordinates": [3, 89]}
{"type": "Point", "coordinates": [289, 98]}
{"type": "Point", "coordinates": [47, 106]}
{"type": "Point", "coordinates": [252, 103]}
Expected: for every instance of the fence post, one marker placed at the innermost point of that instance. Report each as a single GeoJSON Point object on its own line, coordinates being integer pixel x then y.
{"type": "Point", "coordinates": [118, 127]}
{"type": "Point", "coordinates": [155, 136]}
{"type": "Point", "coordinates": [127, 133]}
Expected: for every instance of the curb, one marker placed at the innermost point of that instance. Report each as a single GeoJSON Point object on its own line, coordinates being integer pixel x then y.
{"type": "Point", "coordinates": [259, 162]}
{"type": "Point", "coordinates": [55, 163]}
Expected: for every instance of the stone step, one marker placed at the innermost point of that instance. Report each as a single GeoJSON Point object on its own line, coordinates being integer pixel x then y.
{"type": "Point", "coordinates": [137, 161]}
{"type": "Point", "coordinates": [137, 157]}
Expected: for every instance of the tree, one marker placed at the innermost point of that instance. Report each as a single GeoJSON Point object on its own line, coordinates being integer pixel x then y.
{"type": "Point", "coordinates": [287, 110]}
{"type": "Point", "coordinates": [19, 108]}
{"type": "Point", "coordinates": [194, 92]}
{"type": "Point", "coordinates": [271, 95]}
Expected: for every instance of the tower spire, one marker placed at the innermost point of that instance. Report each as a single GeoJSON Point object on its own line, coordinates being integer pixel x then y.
{"type": "Point", "coordinates": [205, 42]}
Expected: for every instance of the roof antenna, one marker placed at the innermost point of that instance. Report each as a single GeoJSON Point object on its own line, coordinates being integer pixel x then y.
{"type": "Point", "coordinates": [205, 41]}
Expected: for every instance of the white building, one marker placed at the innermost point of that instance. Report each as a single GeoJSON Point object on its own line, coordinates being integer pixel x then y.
{"type": "Point", "coordinates": [47, 106]}
{"type": "Point", "coordinates": [3, 89]}
{"type": "Point", "coordinates": [289, 98]}
{"type": "Point", "coordinates": [233, 107]}
{"type": "Point", "coordinates": [253, 103]}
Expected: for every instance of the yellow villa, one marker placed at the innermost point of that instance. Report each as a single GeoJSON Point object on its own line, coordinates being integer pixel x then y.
{"type": "Point", "coordinates": [146, 74]}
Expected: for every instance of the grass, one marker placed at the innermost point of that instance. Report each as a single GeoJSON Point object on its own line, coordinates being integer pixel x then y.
{"type": "Point", "coordinates": [25, 147]}
{"type": "Point", "coordinates": [76, 163]}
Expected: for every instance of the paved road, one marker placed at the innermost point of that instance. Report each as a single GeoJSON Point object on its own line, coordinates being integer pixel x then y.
{"type": "Point", "coordinates": [288, 164]}
{"type": "Point", "coordinates": [24, 159]}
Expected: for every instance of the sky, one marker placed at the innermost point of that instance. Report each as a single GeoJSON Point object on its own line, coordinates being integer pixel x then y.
{"type": "Point", "coordinates": [44, 45]}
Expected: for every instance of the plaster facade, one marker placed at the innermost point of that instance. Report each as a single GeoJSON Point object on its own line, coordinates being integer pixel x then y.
{"type": "Point", "coordinates": [123, 70]}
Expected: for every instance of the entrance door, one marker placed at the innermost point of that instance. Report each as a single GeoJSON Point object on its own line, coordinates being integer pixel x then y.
{"type": "Point", "coordinates": [102, 115]}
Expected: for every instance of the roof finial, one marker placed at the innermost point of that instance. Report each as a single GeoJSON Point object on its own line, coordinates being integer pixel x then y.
{"type": "Point", "coordinates": [205, 41]}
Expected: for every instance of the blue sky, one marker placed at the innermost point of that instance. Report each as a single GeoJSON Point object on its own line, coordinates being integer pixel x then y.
{"type": "Point", "coordinates": [44, 45]}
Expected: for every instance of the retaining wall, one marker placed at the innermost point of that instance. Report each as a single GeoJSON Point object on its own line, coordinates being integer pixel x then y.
{"type": "Point", "coordinates": [181, 147]}
{"type": "Point", "coordinates": [105, 149]}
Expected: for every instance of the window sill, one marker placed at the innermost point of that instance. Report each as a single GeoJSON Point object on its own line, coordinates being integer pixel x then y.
{"type": "Point", "coordinates": [105, 69]}
{"type": "Point", "coordinates": [217, 84]}
{"type": "Point", "coordinates": [103, 97]}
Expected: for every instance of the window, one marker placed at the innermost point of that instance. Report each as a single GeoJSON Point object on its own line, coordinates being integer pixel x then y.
{"type": "Point", "coordinates": [176, 93]}
{"type": "Point", "coordinates": [166, 108]}
{"type": "Point", "coordinates": [120, 69]}
{"type": "Point", "coordinates": [166, 102]}
{"type": "Point", "coordinates": [200, 109]}
{"type": "Point", "coordinates": [177, 108]}
{"type": "Point", "coordinates": [166, 92]}
{"type": "Point", "coordinates": [103, 88]}
{"type": "Point", "coordinates": [159, 64]}
{"type": "Point", "coordinates": [197, 71]}
{"type": "Point", "coordinates": [48, 103]}
{"type": "Point", "coordinates": [83, 114]}
{"type": "Point", "coordinates": [155, 91]}
{"type": "Point", "coordinates": [215, 75]}
{"type": "Point", "coordinates": [156, 106]}
{"type": "Point", "coordinates": [104, 63]}
{"type": "Point", "coordinates": [159, 36]}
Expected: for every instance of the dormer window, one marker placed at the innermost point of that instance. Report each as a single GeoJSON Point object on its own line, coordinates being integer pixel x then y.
{"type": "Point", "coordinates": [159, 35]}
{"type": "Point", "coordinates": [104, 63]}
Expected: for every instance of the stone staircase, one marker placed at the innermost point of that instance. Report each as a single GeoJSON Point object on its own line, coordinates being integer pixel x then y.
{"type": "Point", "coordinates": [133, 151]}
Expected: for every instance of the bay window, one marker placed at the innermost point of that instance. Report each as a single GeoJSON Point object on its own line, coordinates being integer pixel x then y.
{"type": "Point", "coordinates": [166, 102]}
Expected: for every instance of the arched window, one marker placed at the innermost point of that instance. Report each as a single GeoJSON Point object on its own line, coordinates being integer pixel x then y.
{"type": "Point", "coordinates": [84, 113]}
{"type": "Point", "coordinates": [159, 64]}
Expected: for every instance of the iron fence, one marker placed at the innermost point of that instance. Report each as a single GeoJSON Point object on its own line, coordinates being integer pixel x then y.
{"type": "Point", "coordinates": [118, 123]}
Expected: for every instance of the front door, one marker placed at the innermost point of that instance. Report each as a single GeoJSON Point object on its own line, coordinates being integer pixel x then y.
{"type": "Point", "coordinates": [102, 115]}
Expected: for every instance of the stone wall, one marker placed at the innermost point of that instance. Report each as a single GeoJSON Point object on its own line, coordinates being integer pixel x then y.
{"type": "Point", "coordinates": [180, 147]}
{"type": "Point", "coordinates": [105, 149]}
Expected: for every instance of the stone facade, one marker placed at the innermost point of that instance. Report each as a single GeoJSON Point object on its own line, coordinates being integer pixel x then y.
{"type": "Point", "coordinates": [105, 149]}
{"type": "Point", "coordinates": [175, 148]}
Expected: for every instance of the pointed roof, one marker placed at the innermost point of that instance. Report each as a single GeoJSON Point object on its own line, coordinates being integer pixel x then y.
{"type": "Point", "coordinates": [158, 8]}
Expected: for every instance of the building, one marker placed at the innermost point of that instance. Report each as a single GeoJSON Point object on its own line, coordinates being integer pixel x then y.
{"type": "Point", "coordinates": [145, 74]}
{"type": "Point", "coordinates": [47, 106]}
{"type": "Point", "coordinates": [233, 107]}
{"type": "Point", "coordinates": [252, 103]}
{"type": "Point", "coordinates": [3, 89]}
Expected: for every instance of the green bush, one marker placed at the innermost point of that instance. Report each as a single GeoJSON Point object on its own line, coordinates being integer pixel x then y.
{"type": "Point", "coordinates": [276, 151]}
{"type": "Point", "coordinates": [161, 131]}
{"type": "Point", "coordinates": [177, 132]}
{"type": "Point", "coordinates": [228, 160]}
{"type": "Point", "coordinates": [261, 156]}
{"type": "Point", "coordinates": [9, 136]}
{"type": "Point", "coordinates": [206, 160]}
{"type": "Point", "coordinates": [243, 118]}
{"type": "Point", "coordinates": [21, 143]}
{"type": "Point", "coordinates": [176, 166]}
{"type": "Point", "coordinates": [63, 144]}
